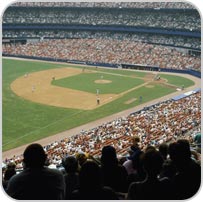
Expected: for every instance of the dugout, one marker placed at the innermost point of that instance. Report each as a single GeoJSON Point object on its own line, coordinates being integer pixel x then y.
{"type": "Point", "coordinates": [140, 67]}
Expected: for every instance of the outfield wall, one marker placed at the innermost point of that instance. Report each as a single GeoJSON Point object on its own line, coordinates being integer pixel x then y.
{"type": "Point", "coordinates": [124, 66]}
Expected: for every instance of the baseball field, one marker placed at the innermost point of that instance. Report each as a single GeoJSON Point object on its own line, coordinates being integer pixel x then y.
{"type": "Point", "coordinates": [41, 99]}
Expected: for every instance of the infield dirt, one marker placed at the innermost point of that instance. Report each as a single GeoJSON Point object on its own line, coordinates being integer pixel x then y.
{"type": "Point", "coordinates": [37, 87]}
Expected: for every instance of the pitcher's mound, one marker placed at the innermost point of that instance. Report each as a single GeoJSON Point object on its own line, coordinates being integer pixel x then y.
{"type": "Point", "coordinates": [102, 81]}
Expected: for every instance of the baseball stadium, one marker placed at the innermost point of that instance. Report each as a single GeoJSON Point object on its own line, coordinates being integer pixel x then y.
{"type": "Point", "coordinates": [101, 100]}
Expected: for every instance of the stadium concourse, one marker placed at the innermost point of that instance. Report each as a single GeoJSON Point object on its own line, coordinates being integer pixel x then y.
{"type": "Point", "coordinates": [153, 152]}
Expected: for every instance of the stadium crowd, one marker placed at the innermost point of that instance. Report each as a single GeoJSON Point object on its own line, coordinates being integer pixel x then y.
{"type": "Point", "coordinates": [175, 5]}
{"type": "Point", "coordinates": [154, 125]}
{"type": "Point", "coordinates": [168, 172]}
{"type": "Point", "coordinates": [107, 51]}
{"type": "Point", "coordinates": [176, 41]}
{"type": "Point", "coordinates": [88, 16]}
{"type": "Point", "coordinates": [102, 46]}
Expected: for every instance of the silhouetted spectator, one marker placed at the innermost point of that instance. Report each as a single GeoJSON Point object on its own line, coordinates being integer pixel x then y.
{"type": "Point", "coordinates": [137, 165]}
{"type": "Point", "coordinates": [149, 147]}
{"type": "Point", "coordinates": [135, 146]}
{"type": "Point", "coordinates": [9, 172]}
{"type": "Point", "coordinates": [163, 149]}
{"type": "Point", "coordinates": [113, 174]}
{"type": "Point", "coordinates": [36, 182]}
{"type": "Point", "coordinates": [91, 187]}
{"type": "Point", "coordinates": [151, 188]}
{"type": "Point", "coordinates": [11, 165]}
{"type": "Point", "coordinates": [133, 151]}
{"type": "Point", "coordinates": [70, 164]}
{"type": "Point", "coordinates": [168, 169]}
{"type": "Point", "coordinates": [81, 157]}
{"type": "Point", "coordinates": [188, 178]}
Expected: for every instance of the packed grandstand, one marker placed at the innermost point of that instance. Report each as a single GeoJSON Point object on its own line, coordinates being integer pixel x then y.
{"type": "Point", "coordinates": [164, 35]}
{"type": "Point", "coordinates": [119, 33]}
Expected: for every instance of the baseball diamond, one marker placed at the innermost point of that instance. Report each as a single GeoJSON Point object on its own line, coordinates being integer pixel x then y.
{"type": "Point", "coordinates": [73, 104]}
{"type": "Point", "coordinates": [101, 100]}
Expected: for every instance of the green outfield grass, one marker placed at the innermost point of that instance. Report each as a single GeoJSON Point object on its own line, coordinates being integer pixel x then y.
{"type": "Point", "coordinates": [24, 121]}
{"type": "Point", "coordinates": [177, 80]}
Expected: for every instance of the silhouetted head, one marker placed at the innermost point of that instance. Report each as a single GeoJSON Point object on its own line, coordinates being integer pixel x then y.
{"type": "Point", "coordinates": [9, 173]}
{"type": "Point", "coordinates": [90, 176]}
{"type": "Point", "coordinates": [184, 146]}
{"type": "Point", "coordinates": [152, 162]}
{"type": "Point", "coordinates": [34, 156]}
{"type": "Point", "coordinates": [81, 158]}
{"type": "Point", "coordinates": [11, 165]}
{"type": "Point", "coordinates": [180, 152]}
{"type": "Point", "coordinates": [150, 147]}
{"type": "Point", "coordinates": [172, 150]}
{"type": "Point", "coordinates": [135, 145]}
{"type": "Point", "coordinates": [163, 149]}
{"type": "Point", "coordinates": [109, 157]}
{"type": "Point", "coordinates": [136, 159]}
{"type": "Point", "coordinates": [70, 164]}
